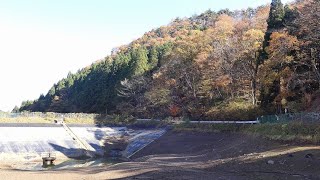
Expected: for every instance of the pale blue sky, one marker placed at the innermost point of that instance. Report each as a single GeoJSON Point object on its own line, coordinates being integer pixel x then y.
{"type": "Point", "coordinates": [42, 40]}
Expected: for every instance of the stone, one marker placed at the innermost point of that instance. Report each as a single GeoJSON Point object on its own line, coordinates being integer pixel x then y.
{"type": "Point", "coordinates": [270, 162]}
{"type": "Point", "coordinates": [309, 155]}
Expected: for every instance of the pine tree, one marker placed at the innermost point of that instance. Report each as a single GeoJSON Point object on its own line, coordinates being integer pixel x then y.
{"type": "Point", "coordinates": [15, 110]}
{"type": "Point", "coordinates": [140, 61]}
{"type": "Point", "coordinates": [275, 20]}
{"type": "Point", "coordinates": [153, 58]}
{"type": "Point", "coordinates": [275, 23]}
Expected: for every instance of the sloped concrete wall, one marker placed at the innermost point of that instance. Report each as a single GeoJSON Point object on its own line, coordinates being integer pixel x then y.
{"type": "Point", "coordinates": [27, 143]}
{"type": "Point", "coordinates": [24, 142]}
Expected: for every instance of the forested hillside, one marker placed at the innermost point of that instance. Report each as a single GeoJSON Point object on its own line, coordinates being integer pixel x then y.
{"type": "Point", "coordinates": [216, 65]}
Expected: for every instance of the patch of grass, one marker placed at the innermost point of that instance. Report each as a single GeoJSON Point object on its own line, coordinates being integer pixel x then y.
{"type": "Point", "coordinates": [130, 121]}
{"type": "Point", "coordinates": [26, 120]}
{"type": "Point", "coordinates": [238, 109]}
{"type": "Point", "coordinates": [46, 120]}
{"type": "Point", "coordinates": [114, 120]}
{"type": "Point", "coordinates": [300, 132]}
{"type": "Point", "coordinates": [209, 127]}
{"type": "Point", "coordinates": [48, 117]}
{"type": "Point", "coordinates": [79, 120]}
{"type": "Point", "coordinates": [290, 131]}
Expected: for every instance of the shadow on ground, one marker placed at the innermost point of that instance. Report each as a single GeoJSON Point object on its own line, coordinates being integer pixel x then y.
{"type": "Point", "coordinates": [72, 153]}
{"type": "Point", "coordinates": [212, 156]}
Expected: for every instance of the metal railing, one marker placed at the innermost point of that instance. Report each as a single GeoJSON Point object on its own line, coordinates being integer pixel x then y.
{"type": "Point", "coordinates": [48, 154]}
{"type": "Point", "coordinates": [82, 143]}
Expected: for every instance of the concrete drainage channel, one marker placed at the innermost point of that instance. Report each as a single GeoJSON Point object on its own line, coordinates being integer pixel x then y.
{"type": "Point", "coordinates": [22, 144]}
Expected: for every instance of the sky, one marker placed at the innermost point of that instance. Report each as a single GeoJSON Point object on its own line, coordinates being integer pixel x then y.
{"type": "Point", "coordinates": [42, 40]}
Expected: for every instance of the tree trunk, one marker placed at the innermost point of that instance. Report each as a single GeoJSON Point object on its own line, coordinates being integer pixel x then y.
{"type": "Point", "coordinates": [254, 79]}
{"type": "Point", "coordinates": [314, 64]}
{"type": "Point", "coordinates": [253, 91]}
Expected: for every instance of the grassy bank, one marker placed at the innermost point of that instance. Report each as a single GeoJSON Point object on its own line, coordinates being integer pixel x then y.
{"type": "Point", "coordinates": [295, 131]}
{"type": "Point", "coordinates": [290, 131]}
{"type": "Point", "coordinates": [103, 120]}
{"type": "Point", "coordinates": [46, 120]}
{"type": "Point", "coordinates": [47, 117]}
{"type": "Point", "coordinates": [26, 120]}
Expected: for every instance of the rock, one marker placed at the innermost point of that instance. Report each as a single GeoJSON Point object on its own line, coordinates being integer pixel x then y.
{"type": "Point", "coordinates": [308, 155]}
{"type": "Point", "coordinates": [270, 162]}
{"type": "Point", "coordinates": [115, 145]}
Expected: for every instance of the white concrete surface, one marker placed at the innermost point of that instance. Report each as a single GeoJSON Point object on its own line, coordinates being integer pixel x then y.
{"type": "Point", "coordinates": [27, 143]}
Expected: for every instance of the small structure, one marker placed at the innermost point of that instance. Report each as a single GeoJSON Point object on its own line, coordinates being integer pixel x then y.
{"type": "Point", "coordinates": [48, 158]}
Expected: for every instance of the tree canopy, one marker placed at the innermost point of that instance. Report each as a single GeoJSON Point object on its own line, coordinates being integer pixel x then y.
{"type": "Point", "coordinates": [216, 65]}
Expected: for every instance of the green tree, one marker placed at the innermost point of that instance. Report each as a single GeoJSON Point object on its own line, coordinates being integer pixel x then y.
{"type": "Point", "coordinates": [153, 58]}
{"type": "Point", "coordinates": [15, 109]}
{"type": "Point", "coordinates": [275, 23]}
{"type": "Point", "coordinates": [276, 70]}
{"type": "Point", "coordinates": [276, 15]}
{"type": "Point", "coordinates": [139, 60]}
{"type": "Point", "coordinates": [52, 91]}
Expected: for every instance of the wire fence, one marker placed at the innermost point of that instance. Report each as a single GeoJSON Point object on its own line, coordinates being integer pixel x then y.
{"type": "Point", "coordinates": [308, 117]}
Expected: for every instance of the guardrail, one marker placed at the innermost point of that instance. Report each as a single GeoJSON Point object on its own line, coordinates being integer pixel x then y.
{"type": "Point", "coordinates": [48, 154]}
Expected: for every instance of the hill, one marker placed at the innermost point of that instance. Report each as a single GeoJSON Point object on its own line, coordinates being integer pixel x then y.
{"type": "Point", "coordinates": [216, 65]}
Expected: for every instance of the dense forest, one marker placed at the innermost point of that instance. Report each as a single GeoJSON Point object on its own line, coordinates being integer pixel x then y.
{"type": "Point", "coordinates": [216, 65]}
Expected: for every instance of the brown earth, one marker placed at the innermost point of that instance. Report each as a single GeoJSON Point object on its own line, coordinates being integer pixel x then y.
{"type": "Point", "coordinates": [188, 155]}
{"type": "Point", "coordinates": [315, 105]}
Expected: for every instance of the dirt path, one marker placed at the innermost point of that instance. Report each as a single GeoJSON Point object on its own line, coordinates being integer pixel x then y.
{"type": "Point", "coordinates": [200, 156]}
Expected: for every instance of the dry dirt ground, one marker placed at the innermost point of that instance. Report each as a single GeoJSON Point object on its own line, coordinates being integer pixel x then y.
{"type": "Point", "coordinates": [187, 155]}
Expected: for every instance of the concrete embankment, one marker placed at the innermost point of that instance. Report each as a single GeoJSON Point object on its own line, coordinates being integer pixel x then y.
{"type": "Point", "coordinates": [26, 142]}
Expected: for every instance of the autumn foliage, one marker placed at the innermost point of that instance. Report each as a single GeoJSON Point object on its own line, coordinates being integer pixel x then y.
{"type": "Point", "coordinates": [174, 110]}
{"type": "Point", "coordinates": [225, 64]}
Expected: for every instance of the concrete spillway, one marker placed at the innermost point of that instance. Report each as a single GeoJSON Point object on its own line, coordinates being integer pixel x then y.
{"type": "Point", "coordinates": [27, 142]}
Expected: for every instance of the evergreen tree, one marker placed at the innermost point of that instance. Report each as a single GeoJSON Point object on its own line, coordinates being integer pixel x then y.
{"type": "Point", "coordinates": [15, 110]}
{"type": "Point", "coordinates": [140, 61]}
{"type": "Point", "coordinates": [153, 58]}
{"type": "Point", "coordinates": [52, 91]}
{"type": "Point", "coordinates": [275, 23]}
{"type": "Point", "coordinates": [289, 17]}
{"type": "Point", "coordinates": [275, 20]}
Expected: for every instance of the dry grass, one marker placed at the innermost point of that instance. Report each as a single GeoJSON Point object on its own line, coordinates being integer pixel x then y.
{"type": "Point", "coordinates": [294, 131]}
{"type": "Point", "coordinates": [236, 109]}
{"type": "Point", "coordinates": [46, 120]}
{"type": "Point", "coordinates": [80, 121]}
{"type": "Point", "coordinates": [26, 120]}
{"type": "Point", "coordinates": [290, 131]}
